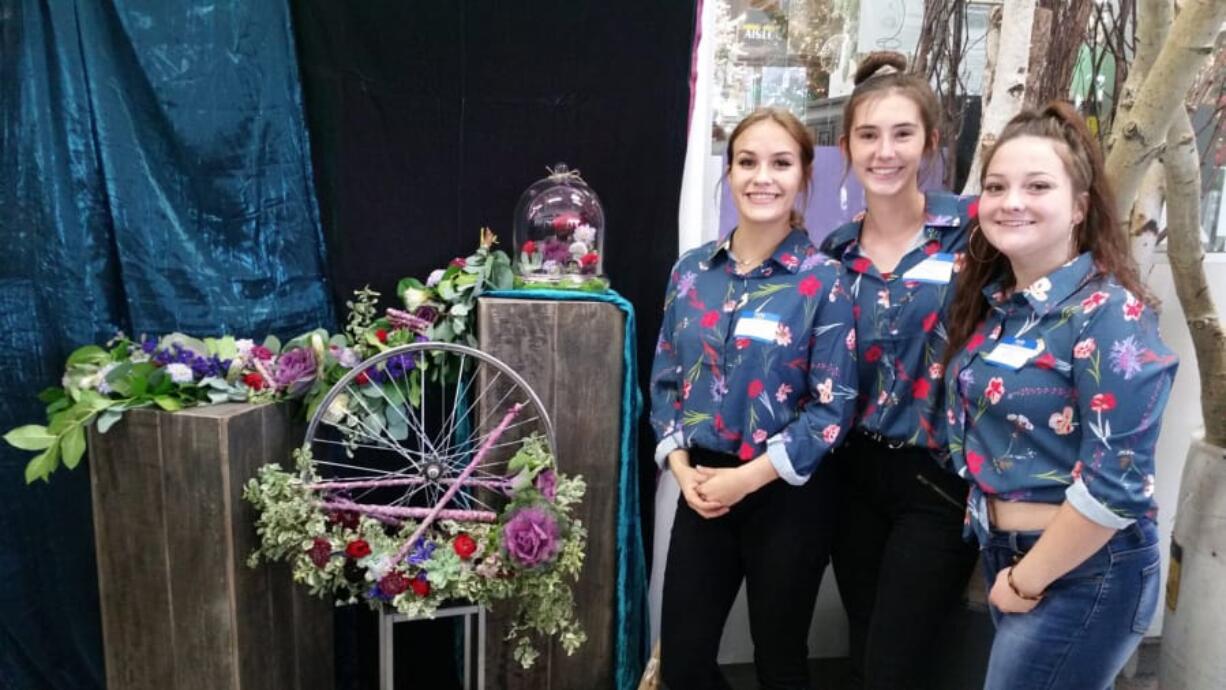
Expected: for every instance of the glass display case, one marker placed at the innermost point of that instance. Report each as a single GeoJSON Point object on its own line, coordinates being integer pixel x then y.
{"type": "Point", "coordinates": [559, 233]}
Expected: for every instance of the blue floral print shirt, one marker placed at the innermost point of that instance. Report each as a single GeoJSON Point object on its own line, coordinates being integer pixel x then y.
{"type": "Point", "coordinates": [900, 324]}
{"type": "Point", "coordinates": [1059, 395]}
{"type": "Point", "coordinates": [763, 362]}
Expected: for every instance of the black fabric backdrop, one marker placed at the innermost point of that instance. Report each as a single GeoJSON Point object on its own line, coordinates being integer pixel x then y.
{"type": "Point", "coordinates": [428, 120]}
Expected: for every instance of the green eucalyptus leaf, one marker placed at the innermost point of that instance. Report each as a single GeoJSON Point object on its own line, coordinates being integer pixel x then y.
{"type": "Point", "coordinates": [459, 310]}
{"type": "Point", "coordinates": [73, 446]}
{"type": "Point", "coordinates": [53, 394]}
{"type": "Point", "coordinates": [273, 343]}
{"type": "Point", "coordinates": [30, 437]}
{"type": "Point", "coordinates": [42, 465]}
{"type": "Point", "coordinates": [446, 291]}
{"type": "Point", "coordinates": [89, 354]}
{"type": "Point", "coordinates": [107, 419]}
{"type": "Point", "coordinates": [168, 402]}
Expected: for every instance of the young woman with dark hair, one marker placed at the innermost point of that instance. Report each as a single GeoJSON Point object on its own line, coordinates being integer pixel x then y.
{"type": "Point", "coordinates": [1057, 380]}
{"type": "Point", "coordinates": [899, 557]}
{"type": "Point", "coordinates": [752, 384]}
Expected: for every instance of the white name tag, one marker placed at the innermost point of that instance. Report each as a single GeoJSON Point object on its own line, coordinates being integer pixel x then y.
{"type": "Point", "coordinates": [1013, 353]}
{"type": "Point", "coordinates": [937, 269]}
{"type": "Point", "coordinates": [758, 326]}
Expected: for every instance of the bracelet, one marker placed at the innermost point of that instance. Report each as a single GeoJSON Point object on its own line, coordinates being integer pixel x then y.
{"type": "Point", "coordinates": [1018, 592]}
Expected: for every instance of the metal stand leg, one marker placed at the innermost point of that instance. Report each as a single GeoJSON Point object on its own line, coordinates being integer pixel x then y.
{"type": "Point", "coordinates": [388, 619]}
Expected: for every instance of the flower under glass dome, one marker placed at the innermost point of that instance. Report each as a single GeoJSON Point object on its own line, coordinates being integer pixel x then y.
{"type": "Point", "coordinates": [559, 233]}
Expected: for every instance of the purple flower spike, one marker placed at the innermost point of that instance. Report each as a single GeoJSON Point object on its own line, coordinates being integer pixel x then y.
{"type": "Point", "coordinates": [530, 538]}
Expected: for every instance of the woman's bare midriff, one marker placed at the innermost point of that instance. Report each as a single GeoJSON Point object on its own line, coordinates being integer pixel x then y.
{"type": "Point", "coordinates": [1020, 516]}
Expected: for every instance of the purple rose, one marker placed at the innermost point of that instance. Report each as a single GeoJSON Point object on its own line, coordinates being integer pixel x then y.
{"type": "Point", "coordinates": [547, 484]}
{"type": "Point", "coordinates": [530, 538]}
{"type": "Point", "coordinates": [295, 369]}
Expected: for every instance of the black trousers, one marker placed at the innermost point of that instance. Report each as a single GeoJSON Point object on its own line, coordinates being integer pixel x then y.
{"type": "Point", "coordinates": [777, 540]}
{"type": "Point", "coordinates": [899, 557]}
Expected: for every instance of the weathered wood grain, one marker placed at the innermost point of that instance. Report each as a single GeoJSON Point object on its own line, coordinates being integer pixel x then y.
{"type": "Point", "coordinates": [180, 607]}
{"type": "Point", "coordinates": [571, 355]}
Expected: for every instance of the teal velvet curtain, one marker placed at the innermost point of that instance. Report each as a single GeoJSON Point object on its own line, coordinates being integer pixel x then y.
{"type": "Point", "coordinates": [155, 176]}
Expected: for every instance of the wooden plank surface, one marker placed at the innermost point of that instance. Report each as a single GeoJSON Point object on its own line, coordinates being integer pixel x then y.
{"type": "Point", "coordinates": [130, 533]}
{"type": "Point", "coordinates": [571, 355]}
{"type": "Point", "coordinates": [200, 562]}
{"type": "Point", "coordinates": [180, 607]}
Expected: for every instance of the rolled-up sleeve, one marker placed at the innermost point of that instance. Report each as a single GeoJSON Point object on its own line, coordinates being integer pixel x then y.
{"type": "Point", "coordinates": [1123, 374]}
{"type": "Point", "coordinates": [666, 382]}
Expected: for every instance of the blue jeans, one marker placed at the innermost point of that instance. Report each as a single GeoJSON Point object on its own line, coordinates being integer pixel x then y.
{"type": "Point", "coordinates": [1089, 621]}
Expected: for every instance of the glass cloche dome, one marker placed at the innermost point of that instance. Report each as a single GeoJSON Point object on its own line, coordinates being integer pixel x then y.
{"type": "Point", "coordinates": [559, 233]}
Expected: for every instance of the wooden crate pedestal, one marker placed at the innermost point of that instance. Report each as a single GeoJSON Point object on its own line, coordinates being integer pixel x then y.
{"type": "Point", "coordinates": [570, 353]}
{"type": "Point", "coordinates": [180, 607]}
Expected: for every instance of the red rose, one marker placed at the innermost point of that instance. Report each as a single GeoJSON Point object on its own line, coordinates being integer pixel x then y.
{"type": "Point", "coordinates": [872, 354]}
{"type": "Point", "coordinates": [362, 378]}
{"type": "Point", "coordinates": [972, 210]}
{"type": "Point", "coordinates": [458, 262]}
{"type": "Point", "coordinates": [809, 286]}
{"type": "Point", "coordinates": [381, 335]}
{"type": "Point", "coordinates": [254, 381]}
{"type": "Point", "coordinates": [465, 546]}
{"type": "Point", "coordinates": [393, 583]}
{"type": "Point", "coordinates": [420, 585]}
{"type": "Point", "coordinates": [861, 265]}
{"type": "Point", "coordinates": [746, 452]}
{"type": "Point", "coordinates": [261, 353]}
{"type": "Point", "coordinates": [930, 322]}
{"type": "Point", "coordinates": [920, 388]}
{"type": "Point", "coordinates": [588, 259]}
{"type": "Point", "coordinates": [1045, 361]}
{"type": "Point", "coordinates": [709, 319]}
{"type": "Point", "coordinates": [320, 552]}
{"type": "Point", "coordinates": [529, 248]}
{"type": "Point", "coordinates": [755, 388]}
{"type": "Point", "coordinates": [357, 548]}
{"type": "Point", "coordinates": [348, 519]}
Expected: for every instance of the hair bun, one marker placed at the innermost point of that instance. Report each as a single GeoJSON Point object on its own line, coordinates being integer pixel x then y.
{"type": "Point", "coordinates": [878, 63]}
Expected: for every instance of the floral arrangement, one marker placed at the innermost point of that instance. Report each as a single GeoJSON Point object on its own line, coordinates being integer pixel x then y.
{"type": "Point", "coordinates": [530, 555]}
{"type": "Point", "coordinates": [100, 383]}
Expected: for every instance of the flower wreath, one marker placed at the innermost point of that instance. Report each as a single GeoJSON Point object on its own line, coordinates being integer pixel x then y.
{"type": "Point", "coordinates": [531, 555]}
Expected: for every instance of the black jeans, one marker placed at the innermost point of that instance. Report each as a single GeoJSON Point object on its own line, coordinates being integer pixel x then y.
{"type": "Point", "coordinates": [899, 557]}
{"type": "Point", "coordinates": [777, 540]}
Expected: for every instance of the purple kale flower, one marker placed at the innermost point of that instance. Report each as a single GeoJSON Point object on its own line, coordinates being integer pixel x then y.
{"type": "Point", "coordinates": [530, 537]}
{"type": "Point", "coordinates": [426, 313]}
{"type": "Point", "coordinates": [295, 369]}
{"type": "Point", "coordinates": [547, 484]}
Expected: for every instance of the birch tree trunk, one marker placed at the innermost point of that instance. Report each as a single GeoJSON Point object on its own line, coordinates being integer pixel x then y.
{"type": "Point", "coordinates": [1187, 254]}
{"type": "Point", "coordinates": [1009, 83]}
{"type": "Point", "coordinates": [1153, 24]}
{"type": "Point", "coordinates": [1140, 135]}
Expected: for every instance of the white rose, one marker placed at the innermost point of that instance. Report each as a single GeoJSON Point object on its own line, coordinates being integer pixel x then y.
{"type": "Point", "coordinates": [179, 372]}
{"type": "Point", "coordinates": [415, 297]}
{"type": "Point", "coordinates": [337, 410]}
{"type": "Point", "coordinates": [578, 249]}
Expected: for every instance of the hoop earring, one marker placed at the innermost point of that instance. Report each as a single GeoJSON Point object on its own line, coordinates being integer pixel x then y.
{"type": "Point", "coordinates": [970, 243]}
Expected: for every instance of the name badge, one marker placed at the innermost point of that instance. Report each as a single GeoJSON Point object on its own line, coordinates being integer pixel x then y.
{"type": "Point", "coordinates": [936, 269]}
{"type": "Point", "coordinates": [1013, 353]}
{"type": "Point", "coordinates": [760, 326]}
